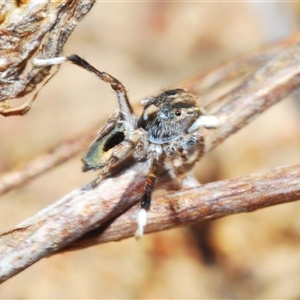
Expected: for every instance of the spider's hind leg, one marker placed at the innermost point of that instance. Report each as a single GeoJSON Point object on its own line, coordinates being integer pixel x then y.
{"type": "Point", "coordinates": [93, 184]}
{"type": "Point", "coordinates": [154, 154]}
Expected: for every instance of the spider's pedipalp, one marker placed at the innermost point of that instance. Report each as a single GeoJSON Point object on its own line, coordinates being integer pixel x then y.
{"type": "Point", "coordinates": [208, 122]}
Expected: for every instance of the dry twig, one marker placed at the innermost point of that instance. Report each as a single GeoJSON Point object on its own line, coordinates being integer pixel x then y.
{"type": "Point", "coordinates": [82, 211]}
{"type": "Point", "coordinates": [241, 66]}
{"type": "Point", "coordinates": [207, 202]}
{"type": "Point", "coordinates": [45, 162]}
{"type": "Point", "coordinates": [27, 29]}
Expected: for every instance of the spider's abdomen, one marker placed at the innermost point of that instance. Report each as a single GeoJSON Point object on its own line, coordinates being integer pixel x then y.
{"type": "Point", "coordinates": [102, 147]}
{"type": "Point", "coordinates": [169, 115]}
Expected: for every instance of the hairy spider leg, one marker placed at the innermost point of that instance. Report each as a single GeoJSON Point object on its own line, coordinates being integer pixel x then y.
{"type": "Point", "coordinates": [126, 112]}
{"type": "Point", "coordinates": [153, 158]}
{"type": "Point", "coordinates": [154, 154]}
{"type": "Point", "coordinates": [149, 185]}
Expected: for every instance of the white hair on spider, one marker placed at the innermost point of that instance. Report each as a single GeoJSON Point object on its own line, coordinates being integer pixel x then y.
{"type": "Point", "coordinates": [43, 62]}
{"type": "Point", "coordinates": [204, 121]}
{"type": "Point", "coordinates": [141, 220]}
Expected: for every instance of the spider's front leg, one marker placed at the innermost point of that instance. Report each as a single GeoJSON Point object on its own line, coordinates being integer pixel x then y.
{"type": "Point", "coordinates": [182, 148]}
{"type": "Point", "coordinates": [153, 157]}
{"type": "Point", "coordinates": [181, 155]}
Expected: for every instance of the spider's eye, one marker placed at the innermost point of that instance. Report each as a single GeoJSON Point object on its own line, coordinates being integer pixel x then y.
{"type": "Point", "coordinates": [171, 92]}
{"type": "Point", "coordinates": [177, 113]}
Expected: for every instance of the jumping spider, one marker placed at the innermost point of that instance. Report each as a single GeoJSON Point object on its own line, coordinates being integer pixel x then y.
{"type": "Point", "coordinates": [165, 135]}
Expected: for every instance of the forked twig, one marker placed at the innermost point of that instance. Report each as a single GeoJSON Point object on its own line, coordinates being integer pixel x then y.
{"type": "Point", "coordinates": [82, 211]}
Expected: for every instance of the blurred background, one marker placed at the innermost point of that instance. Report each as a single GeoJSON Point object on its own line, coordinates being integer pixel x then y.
{"type": "Point", "coordinates": [149, 46]}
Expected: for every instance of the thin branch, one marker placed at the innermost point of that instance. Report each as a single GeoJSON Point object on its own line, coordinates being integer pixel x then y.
{"type": "Point", "coordinates": [66, 220]}
{"type": "Point", "coordinates": [45, 162]}
{"type": "Point", "coordinates": [210, 201]}
{"type": "Point", "coordinates": [265, 87]}
{"type": "Point", "coordinates": [83, 210]}
{"type": "Point", "coordinates": [241, 66]}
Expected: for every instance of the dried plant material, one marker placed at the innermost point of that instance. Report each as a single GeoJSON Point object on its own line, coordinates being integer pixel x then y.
{"type": "Point", "coordinates": [32, 29]}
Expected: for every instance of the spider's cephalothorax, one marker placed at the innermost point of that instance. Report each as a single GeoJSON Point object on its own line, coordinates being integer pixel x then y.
{"type": "Point", "coordinates": [166, 135]}
{"type": "Point", "coordinates": [169, 115]}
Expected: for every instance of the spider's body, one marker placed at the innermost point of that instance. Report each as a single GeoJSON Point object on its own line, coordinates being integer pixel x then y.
{"type": "Point", "coordinates": [160, 133]}
{"type": "Point", "coordinates": [166, 135]}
